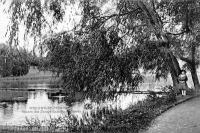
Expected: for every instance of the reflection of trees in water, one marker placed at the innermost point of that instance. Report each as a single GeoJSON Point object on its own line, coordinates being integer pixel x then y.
{"type": "Point", "coordinates": [8, 110]}
{"type": "Point", "coordinates": [32, 94]}
{"type": "Point", "coordinates": [57, 99]}
{"type": "Point", "coordinates": [12, 96]}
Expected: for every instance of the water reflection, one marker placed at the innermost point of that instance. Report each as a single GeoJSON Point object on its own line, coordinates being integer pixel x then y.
{"type": "Point", "coordinates": [39, 105]}
{"type": "Point", "coordinates": [13, 96]}
{"type": "Point", "coordinates": [7, 111]}
{"type": "Point", "coordinates": [15, 106]}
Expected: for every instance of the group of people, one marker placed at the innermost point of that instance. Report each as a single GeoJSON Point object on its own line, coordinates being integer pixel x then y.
{"type": "Point", "coordinates": [182, 79]}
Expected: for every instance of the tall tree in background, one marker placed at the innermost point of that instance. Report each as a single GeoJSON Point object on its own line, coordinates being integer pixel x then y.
{"type": "Point", "coordinates": [5, 65]}
{"type": "Point", "coordinates": [13, 63]}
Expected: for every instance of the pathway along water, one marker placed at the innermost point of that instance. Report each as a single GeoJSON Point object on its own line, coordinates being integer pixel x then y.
{"type": "Point", "coordinates": [184, 118]}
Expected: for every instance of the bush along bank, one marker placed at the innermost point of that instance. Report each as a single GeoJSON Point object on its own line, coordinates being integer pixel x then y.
{"type": "Point", "coordinates": [133, 119]}
{"type": "Point", "coordinates": [136, 117]}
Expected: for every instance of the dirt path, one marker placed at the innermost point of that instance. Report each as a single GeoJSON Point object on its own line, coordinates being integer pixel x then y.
{"type": "Point", "coordinates": [184, 118]}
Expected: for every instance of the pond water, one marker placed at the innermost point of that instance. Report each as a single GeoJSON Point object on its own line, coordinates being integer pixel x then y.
{"type": "Point", "coordinates": [17, 105]}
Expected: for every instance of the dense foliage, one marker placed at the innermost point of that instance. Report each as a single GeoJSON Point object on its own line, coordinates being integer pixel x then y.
{"type": "Point", "coordinates": [14, 62]}
{"type": "Point", "coordinates": [109, 45]}
{"type": "Point", "coordinates": [90, 68]}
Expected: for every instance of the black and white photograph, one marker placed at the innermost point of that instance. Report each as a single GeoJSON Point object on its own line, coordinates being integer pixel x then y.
{"type": "Point", "coordinates": [99, 66]}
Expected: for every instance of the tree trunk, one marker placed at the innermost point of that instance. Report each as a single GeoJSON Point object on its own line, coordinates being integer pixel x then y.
{"type": "Point", "coordinates": [171, 60]}
{"type": "Point", "coordinates": [174, 79]}
{"type": "Point", "coordinates": [194, 76]}
{"type": "Point", "coordinates": [175, 64]}
{"type": "Point", "coordinates": [174, 69]}
{"type": "Point", "coordinates": [193, 68]}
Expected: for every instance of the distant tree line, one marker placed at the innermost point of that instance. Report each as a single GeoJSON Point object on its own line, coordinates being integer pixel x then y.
{"type": "Point", "coordinates": [15, 62]}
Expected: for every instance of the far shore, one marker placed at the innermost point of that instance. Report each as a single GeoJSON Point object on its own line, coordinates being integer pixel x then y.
{"type": "Point", "coordinates": [26, 78]}
{"type": "Point", "coordinates": [34, 76]}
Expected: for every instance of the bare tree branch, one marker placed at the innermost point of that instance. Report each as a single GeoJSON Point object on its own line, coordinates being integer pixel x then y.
{"type": "Point", "coordinates": [176, 34]}
{"type": "Point", "coordinates": [185, 59]}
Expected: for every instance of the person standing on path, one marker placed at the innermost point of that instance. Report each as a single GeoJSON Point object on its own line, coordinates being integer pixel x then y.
{"type": "Point", "coordinates": [182, 78]}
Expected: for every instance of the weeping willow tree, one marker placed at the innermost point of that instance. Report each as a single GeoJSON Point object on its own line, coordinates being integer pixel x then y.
{"type": "Point", "coordinates": [146, 32]}
{"type": "Point", "coordinates": [92, 68]}
{"type": "Point", "coordinates": [31, 15]}
{"type": "Point", "coordinates": [168, 26]}
{"type": "Point", "coordinates": [88, 62]}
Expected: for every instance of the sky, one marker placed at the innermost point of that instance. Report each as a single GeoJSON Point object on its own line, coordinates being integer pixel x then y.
{"type": "Point", "coordinates": [4, 20]}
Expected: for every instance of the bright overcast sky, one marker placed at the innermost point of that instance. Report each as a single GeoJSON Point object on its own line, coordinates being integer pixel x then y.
{"type": "Point", "coordinates": [4, 20]}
